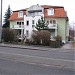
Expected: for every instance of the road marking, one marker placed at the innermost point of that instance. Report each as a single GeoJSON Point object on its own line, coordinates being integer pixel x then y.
{"type": "Point", "coordinates": [47, 65]}
{"type": "Point", "coordinates": [37, 57]}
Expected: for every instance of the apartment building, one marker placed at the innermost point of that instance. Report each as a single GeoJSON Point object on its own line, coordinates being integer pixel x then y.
{"type": "Point", "coordinates": [24, 21]}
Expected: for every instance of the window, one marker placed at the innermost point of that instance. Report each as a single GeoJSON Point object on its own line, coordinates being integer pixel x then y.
{"type": "Point", "coordinates": [27, 32]}
{"type": "Point", "coordinates": [50, 21]}
{"type": "Point", "coordinates": [54, 21]}
{"type": "Point", "coordinates": [27, 22]}
{"type": "Point", "coordinates": [20, 14]}
{"type": "Point", "coordinates": [50, 11]}
{"type": "Point", "coordinates": [33, 26]}
{"type": "Point", "coordinates": [22, 23]}
{"type": "Point", "coordinates": [18, 23]}
{"type": "Point", "coordinates": [32, 21]}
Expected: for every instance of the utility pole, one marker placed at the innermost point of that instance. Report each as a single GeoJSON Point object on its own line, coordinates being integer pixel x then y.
{"type": "Point", "coordinates": [1, 21]}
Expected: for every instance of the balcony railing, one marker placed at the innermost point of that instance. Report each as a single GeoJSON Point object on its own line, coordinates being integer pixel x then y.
{"type": "Point", "coordinates": [52, 26]}
{"type": "Point", "coordinates": [17, 26]}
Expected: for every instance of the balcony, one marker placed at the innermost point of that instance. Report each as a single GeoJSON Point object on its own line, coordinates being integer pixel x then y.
{"type": "Point", "coordinates": [52, 26]}
{"type": "Point", "coordinates": [17, 26]}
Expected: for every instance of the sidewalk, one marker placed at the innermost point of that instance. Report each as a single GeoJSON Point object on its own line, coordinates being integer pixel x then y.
{"type": "Point", "coordinates": [68, 45]}
{"type": "Point", "coordinates": [34, 47]}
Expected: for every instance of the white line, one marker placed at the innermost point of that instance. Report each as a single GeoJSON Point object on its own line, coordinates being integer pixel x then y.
{"type": "Point", "coordinates": [37, 57]}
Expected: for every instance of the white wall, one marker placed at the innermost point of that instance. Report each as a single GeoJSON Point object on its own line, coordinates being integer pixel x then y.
{"type": "Point", "coordinates": [29, 27]}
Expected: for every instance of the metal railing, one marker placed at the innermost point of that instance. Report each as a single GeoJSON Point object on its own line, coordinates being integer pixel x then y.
{"type": "Point", "coordinates": [52, 26]}
{"type": "Point", "coordinates": [17, 26]}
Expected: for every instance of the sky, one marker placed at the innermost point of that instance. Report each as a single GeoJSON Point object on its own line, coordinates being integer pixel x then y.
{"type": "Point", "coordinates": [69, 5]}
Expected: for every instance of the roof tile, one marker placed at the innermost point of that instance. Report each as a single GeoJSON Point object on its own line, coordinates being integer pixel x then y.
{"type": "Point", "coordinates": [59, 12]}
{"type": "Point", "coordinates": [14, 16]}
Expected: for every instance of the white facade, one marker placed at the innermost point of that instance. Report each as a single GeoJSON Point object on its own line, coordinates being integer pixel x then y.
{"type": "Point", "coordinates": [33, 14]}
{"type": "Point", "coordinates": [31, 26]}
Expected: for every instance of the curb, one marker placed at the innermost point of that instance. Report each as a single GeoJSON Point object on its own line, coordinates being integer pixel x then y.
{"type": "Point", "coordinates": [36, 48]}
{"type": "Point", "coordinates": [24, 48]}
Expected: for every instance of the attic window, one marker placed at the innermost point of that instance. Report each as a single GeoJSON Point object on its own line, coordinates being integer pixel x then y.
{"type": "Point", "coordinates": [20, 14]}
{"type": "Point", "coordinates": [50, 11]}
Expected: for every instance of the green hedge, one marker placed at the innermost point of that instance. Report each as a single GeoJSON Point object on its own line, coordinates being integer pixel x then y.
{"type": "Point", "coordinates": [55, 43]}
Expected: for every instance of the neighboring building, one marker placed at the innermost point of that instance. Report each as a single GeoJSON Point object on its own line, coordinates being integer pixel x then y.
{"type": "Point", "coordinates": [55, 17]}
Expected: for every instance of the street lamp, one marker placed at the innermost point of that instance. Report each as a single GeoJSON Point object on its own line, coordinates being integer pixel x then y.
{"type": "Point", "coordinates": [73, 31]}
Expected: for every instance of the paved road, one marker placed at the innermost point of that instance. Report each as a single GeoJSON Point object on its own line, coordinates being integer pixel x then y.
{"type": "Point", "coordinates": [52, 57]}
{"type": "Point", "coordinates": [56, 53]}
{"type": "Point", "coordinates": [10, 67]}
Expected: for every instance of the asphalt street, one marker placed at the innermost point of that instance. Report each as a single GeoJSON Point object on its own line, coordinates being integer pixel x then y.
{"type": "Point", "coordinates": [54, 57]}
{"type": "Point", "coordinates": [10, 67]}
{"type": "Point", "coordinates": [56, 53]}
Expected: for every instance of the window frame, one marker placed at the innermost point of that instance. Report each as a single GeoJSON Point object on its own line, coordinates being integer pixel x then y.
{"type": "Point", "coordinates": [33, 22]}
{"type": "Point", "coordinates": [51, 21]}
{"type": "Point", "coordinates": [54, 21]}
{"type": "Point", "coordinates": [22, 23]}
{"type": "Point", "coordinates": [27, 32]}
{"type": "Point", "coordinates": [27, 22]}
{"type": "Point", "coordinates": [20, 14]}
{"type": "Point", "coordinates": [50, 12]}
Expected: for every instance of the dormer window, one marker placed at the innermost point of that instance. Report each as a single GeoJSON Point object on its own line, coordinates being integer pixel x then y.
{"type": "Point", "coordinates": [50, 11]}
{"type": "Point", "coordinates": [20, 14]}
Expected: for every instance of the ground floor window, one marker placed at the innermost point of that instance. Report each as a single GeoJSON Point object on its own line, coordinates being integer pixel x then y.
{"type": "Point", "coordinates": [27, 33]}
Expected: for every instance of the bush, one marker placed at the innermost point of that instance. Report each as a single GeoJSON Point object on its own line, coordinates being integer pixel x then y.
{"type": "Point", "coordinates": [36, 37]}
{"type": "Point", "coordinates": [41, 37]}
{"type": "Point", "coordinates": [58, 41]}
{"type": "Point", "coordinates": [58, 37]}
{"type": "Point", "coordinates": [45, 37]}
{"type": "Point", "coordinates": [27, 41]}
{"type": "Point", "coordinates": [53, 43]}
{"type": "Point", "coordinates": [7, 35]}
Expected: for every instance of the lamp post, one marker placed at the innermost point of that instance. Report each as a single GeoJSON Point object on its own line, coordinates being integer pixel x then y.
{"type": "Point", "coordinates": [73, 31]}
{"type": "Point", "coordinates": [1, 22]}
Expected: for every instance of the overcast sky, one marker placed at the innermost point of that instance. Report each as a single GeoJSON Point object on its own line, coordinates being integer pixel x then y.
{"type": "Point", "coordinates": [69, 5]}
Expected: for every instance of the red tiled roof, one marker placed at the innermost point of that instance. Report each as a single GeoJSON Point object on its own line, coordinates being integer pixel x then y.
{"type": "Point", "coordinates": [20, 10]}
{"type": "Point", "coordinates": [14, 15]}
{"type": "Point", "coordinates": [50, 6]}
{"type": "Point", "coordinates": [59, 12]}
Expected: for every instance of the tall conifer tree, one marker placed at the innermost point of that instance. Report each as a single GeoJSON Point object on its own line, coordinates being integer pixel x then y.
{"type": "Point", "coordinates": [6, 17]}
